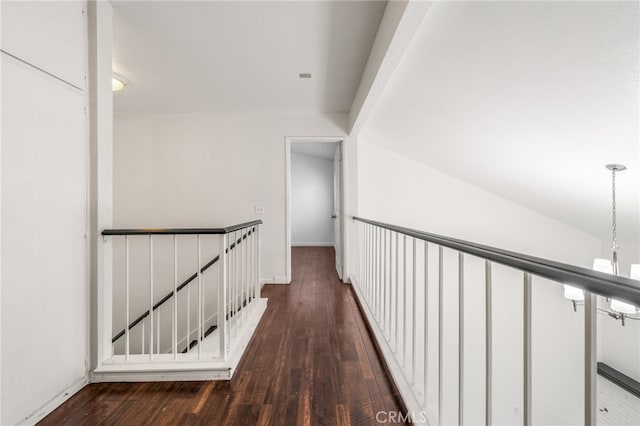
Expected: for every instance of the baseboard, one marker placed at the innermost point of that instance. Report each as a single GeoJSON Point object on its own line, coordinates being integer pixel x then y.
{"type": "Point", "coordinates": [312, 244]}
{"type": "Point", "coordinates": [196, 373]}
{"type": "Point", "coordinates": [182, 371]}
{"type": "Point", "coordinates": [57, 401]}
{"type": "Point", "coordinates": [277, 279]}
{"type": "Point", "coordinates": [409, 398]}
{"type": "Point", "coordinates": [236, 354]}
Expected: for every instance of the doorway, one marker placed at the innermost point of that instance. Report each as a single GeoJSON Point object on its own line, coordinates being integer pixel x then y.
{"type": "Point", "coordinates": [315, 196]}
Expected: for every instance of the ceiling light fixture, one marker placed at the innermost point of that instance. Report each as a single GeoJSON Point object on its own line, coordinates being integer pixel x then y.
{"type": "Point", "coordinates": [619, 310]}
{"type": "Point", "coordinates": [118, 82]}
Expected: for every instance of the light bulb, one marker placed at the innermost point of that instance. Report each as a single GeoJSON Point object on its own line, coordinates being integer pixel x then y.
{"type": "Point", "coordinates": [573, 293]}
{"type": "Point", "coordinates": [117, 82]}
{"type": "Point", "coordinates": [603, 265]}
{"type": "Point", "coordinates": [635, 271]}
{"type": "Point", "coordinates": [622, 307]}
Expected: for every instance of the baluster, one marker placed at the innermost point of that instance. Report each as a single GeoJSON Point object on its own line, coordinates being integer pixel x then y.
{"type": "Point", "coordinates": [234, 282]}
{"type": "Point", "coordinates": [369, 264]}
{"type": "Point", "coordinates": [222, 295]}
{"type": "Point", "coordinates": [151, 329]}
{"type": "Point", "coordinates": [360, 254]}
{"type": "Point", "coordinates": [230, 279]}
{"type": "Point", "coordinates": [404, 300]}
{"type": "Point", "coordinates": [590, 362]}
{"type": "Point", "coordinates": [383, 323]}
{"type": "Point", "coordinates": [440, 326]}
{"type": "Point", "coordinates": [488, 343]}
{"type": "Point", "coordinates": [378, 269]}
{"type": "Point", "coordinates": [413, 314]}
{"type": "Point", "coordinates": [158, 332]}
{"type": "Point", "coordinates": [375, 272]}
{"type": "Point", "coordinates": [397, 291]}
{"type": "Point", "coordinates": [426, 320]}
{"type": "Point", "coordinates": [387, 278]}
{"type": "Point", "coordinates": [236, 255]}
{"type": "Point", "coordinates": [254, 254]}
{"type": "Point", "coordinates": [364, 259]}
{"type": "Point", "coordinates": [203, 302]}
{"type": "Point", "coordinates": [526, 412]}
{"type": "Point", "coordinates": [200, 331]}
{"type": "Point", "coordinates": [174, 333]}
{"type": "Point", "coordinates": [244, 277]}
{"type": "Point", "coordinates": [366, 262]}
{"type": "Point", "coordinates": [250, 267]}
{"type": "Point", "coordinates": [188, 317]}
{"type": "Point", "coordinates": [372, 287]}
{"type": "Point", "coordinates": [380, 278]}
{"type": "Point", "coordinates": [142, 334]}
{"type": "Point", "coordinates": [460, 338]}
{"type": "Point", "coordinates": [259, 255]}
{"type": "Point", "coordinates": [126, 298]}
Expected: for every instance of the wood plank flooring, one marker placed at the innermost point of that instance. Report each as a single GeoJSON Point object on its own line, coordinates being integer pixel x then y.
{"type": "Point", "coordinates": [311, 362]}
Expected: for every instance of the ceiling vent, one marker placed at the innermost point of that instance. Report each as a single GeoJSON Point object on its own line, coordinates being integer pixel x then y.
{"type": "Point", "coordinates": [305, 75]}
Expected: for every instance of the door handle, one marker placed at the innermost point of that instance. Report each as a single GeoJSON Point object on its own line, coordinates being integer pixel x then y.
{"type": "Point", "coordinates": [334, 216]}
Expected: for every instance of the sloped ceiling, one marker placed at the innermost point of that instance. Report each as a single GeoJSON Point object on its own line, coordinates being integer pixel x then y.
{"type": "Point", "coordinates": [238, 56]}
{"type": "Point", "coordinates": [528, 100]}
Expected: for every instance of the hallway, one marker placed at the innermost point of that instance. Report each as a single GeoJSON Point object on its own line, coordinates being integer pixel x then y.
{"type": "Point", "coordinates": [311, 362]}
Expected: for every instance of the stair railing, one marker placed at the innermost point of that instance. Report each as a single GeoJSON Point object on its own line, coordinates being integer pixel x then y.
{"type": "Point", "coordinates": [226, 284]}
{"type": "Point", "coordinates": [401, 280]}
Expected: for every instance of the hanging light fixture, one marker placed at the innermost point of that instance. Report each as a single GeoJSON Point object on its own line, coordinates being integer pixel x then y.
{"type": "Point", "coordinates": [619, 310]}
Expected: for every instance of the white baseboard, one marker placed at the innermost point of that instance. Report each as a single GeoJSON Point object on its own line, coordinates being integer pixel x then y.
{"type": "Point", "coordinates": [208, 371]}
{"type": "Point", "coordinates": [164, 369]}
{"type": "Point", "coordinates": [411, 399]}
{"type": "Point", "coordinates": [312, 244]}
{"type": "Point", "coordinates": [57, 401]}
{"type": "Point", "coordinates": [243, 341]}
{"type": "Point", "coordinates": [278, 279]}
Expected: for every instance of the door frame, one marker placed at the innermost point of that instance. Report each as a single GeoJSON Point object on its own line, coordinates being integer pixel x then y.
{"type": "Point", "coordinates": [287, 142]}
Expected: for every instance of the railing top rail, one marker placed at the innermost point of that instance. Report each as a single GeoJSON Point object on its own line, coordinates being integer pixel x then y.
{"type": "Point", "coordinates": [601, 283]}
{"type": "Point", "coordinates": [181, 231]}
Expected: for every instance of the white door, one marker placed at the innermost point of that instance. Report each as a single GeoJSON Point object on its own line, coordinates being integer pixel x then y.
{"type": "Point", "coordinates": [337, 208]}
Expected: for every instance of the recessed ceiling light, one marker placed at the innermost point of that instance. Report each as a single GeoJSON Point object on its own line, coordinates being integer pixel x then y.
{"type": "Point", "coordinates": [305, 75]}
{"type": "Point", "coordinates": [118, 82]}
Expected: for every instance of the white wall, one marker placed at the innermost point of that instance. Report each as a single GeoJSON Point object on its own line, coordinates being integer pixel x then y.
{"type": "Point", "coordinates": [311, 200]}
{"type": "Point", "coordinates": [44, 206]}
{"type": "Point", "coordinates": [210, 170]}
{"type": "Point", "coordinates": [417, 196]}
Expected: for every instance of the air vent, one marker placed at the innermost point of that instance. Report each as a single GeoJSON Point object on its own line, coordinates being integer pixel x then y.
{"type": "Point", "coordinates": [305, 75]}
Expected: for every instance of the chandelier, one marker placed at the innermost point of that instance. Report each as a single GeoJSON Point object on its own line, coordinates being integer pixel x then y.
{"type": "Point", "coordinates": [618, 309]}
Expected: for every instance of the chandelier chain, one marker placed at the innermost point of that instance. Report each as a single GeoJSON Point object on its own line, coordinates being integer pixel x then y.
{"type": "Point", "coordinates": [614, 244]}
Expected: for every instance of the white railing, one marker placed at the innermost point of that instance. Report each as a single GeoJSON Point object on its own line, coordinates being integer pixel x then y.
{"type": "Point", "coordinates": [183, 295]}
{"type": "Point", "coordinates": [432, 305]}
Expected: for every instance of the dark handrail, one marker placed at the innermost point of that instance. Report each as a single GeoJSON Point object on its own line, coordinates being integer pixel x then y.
{"type": "Point", "coordinates": [185, 282]}
{"type": "Point", "coordinates": [181, 231]}
{"type": "Point", "coordinates": [606, 285]}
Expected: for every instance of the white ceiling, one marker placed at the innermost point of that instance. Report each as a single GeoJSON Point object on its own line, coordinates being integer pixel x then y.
{"type": "Point", "coordinates": [526, 99]}
{"type": "Point", "coordinates": [324, 150]}
{"type": "Point", "coordinates": [237, 56]}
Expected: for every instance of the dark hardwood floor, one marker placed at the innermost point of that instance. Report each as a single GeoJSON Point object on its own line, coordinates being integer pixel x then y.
{"type": "Point", "coordinates": [311, 362]}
